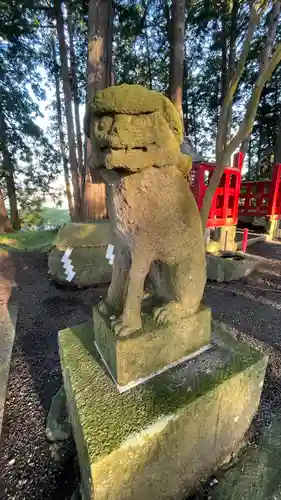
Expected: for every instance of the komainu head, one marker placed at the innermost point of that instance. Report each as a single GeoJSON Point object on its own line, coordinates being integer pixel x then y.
{"type": "Point", "coordinates": [133, 128]}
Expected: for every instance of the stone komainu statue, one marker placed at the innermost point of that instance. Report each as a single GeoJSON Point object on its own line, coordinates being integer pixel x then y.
{"type": "Point", "coordinates": [136, 135]}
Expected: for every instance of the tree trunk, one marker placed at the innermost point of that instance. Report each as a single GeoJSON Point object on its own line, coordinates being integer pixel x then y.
{"type": "Point", "coordinates": [177, 54]}
{"type": "Point", "coordinates": [74, 85]}
{"type": "Point", "coordinates": [61, 132]}
{"type": "Point", "coordinates": [230, 66]}
{"type": "Point", "coordinates": [68, 111]}
{"type": "Point", "coordinates": [224, 151]}
{"type": "Point", "coordinates": [11, 190]}
{"type": "Point", "coordinates": [99, 77]}
{"type": "Point", "coordinates": [8, 168]}
{"type": "Point", "coordinates": [148, 58]}
{"type": "Point", "coordinates": [277, 155]}
{"type": "Point", "coordinates": [5, 224]}
{"type": "Point", "coordinates": [224, 42]}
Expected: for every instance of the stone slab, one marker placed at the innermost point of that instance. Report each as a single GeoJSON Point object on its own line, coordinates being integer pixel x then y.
{"type": "Point", "coordinates": [162, 438]}
{"type": "Point", "coordinates": [257, 475]}
{"type": "Point", "coordinates": [223, 268]}
{"type": "Point", "coordinates": [8, 319]}
{"type": "Point", "coordinates": [153, 349]}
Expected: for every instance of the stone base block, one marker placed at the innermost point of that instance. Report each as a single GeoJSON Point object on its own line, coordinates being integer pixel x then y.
{"type": "Point", "coordinates": [162, 438]}
{"type": "Point", "coordinates": [230, 266]}
{"type": "Point", "coordinates": [153, 349]}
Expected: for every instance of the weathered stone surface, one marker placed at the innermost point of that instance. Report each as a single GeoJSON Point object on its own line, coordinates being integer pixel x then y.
{"type": "Point", "coordinates": [257, 476]}
{"type": "Point", "coordinates": [135, 100]}
{"type": "Point", "coordinates": [153, 348]}
{"type": "Point", "coordinates": [58, 426]}
{"type": "Point", "coordinates": [84, 234]}
{"type": "Point", "coordinates": [155, 218]}
{"type": "Point", "coordinates": [162, 438]}
{"type": "Point", "coordinates": [136, 134]}
{"type": "Point", "coordinates": [89, 242]}
{"type": "Point", "coordinates": [230, 267]}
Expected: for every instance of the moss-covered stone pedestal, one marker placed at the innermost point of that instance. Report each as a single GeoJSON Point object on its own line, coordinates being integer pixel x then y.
{"type": "Point", "coordinates": [152, 350]}
{"type": "Point", "coordinates": [162, 438]}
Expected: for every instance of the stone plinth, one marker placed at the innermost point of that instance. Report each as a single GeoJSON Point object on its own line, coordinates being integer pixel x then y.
{"type": "Point", "coordinates": [153, 349]}
{"type": "Point", "coordinates": [162, 438]}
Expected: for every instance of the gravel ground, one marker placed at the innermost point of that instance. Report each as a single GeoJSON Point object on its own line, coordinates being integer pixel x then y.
{"type": "Point", "coordinates": [28, 471]}
{"type": "Point", "coordinates": [251, 308]}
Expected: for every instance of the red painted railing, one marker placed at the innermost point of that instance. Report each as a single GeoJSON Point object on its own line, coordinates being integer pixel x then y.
{"type": "Point", "coordinates": [262, 198]}
{"type": "Point", "coordinates": [224, 208]}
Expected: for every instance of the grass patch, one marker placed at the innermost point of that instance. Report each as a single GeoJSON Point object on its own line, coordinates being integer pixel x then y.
{"type": "Point", "coordinates": [55, 216]}
{"type": "Point", "coordinates": [28, 241]}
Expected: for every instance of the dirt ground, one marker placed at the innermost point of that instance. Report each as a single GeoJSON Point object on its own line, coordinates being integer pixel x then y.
{"type": "Point", "coordinates": [251, 308]}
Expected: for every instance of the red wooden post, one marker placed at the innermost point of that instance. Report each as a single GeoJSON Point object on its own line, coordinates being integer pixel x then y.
{"type": "Point", "coordinates": [245, 239]}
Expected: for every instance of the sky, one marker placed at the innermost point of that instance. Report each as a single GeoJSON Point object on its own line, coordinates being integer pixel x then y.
{"type": "Point", "coordinates": [44, 122]}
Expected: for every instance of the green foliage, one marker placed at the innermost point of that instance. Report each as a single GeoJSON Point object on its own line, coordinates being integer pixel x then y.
{"type": "Point", "coordinates": [29, 152]}
{"type": "Point", "coordinates": [140, 55]}
{"type": "Point", "coordinates": [31, 216]}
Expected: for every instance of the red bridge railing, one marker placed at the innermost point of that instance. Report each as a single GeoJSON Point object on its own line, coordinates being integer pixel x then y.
{"type": "Point", "coordinates": [262, 198]}
{"type": "Point", "coordinates": [224, 208]}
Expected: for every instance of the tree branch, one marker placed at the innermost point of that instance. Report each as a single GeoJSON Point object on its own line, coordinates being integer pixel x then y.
{"type": "Point", "coordinates": [255, 15]}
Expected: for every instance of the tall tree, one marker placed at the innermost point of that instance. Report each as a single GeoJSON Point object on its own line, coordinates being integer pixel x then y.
{"type": "Point", "coordinates": [60, 127]}
{"type": "Point", "coordinates": [8, 169]}
{"type": "Point", "coordinates": [24, 148]}
{"type": "Point", "coordinates": [5, 224]}
{"type": "Point", "coordinates": [68, 111]}
{"type": "Point", "coordinates": [100, 32]}
{"type": "Point", "coordinates": [269, 60]}
{"type": "Point", "coordinates": [177, 27]}
{"type": "Point", "coordinates": [74, 85]}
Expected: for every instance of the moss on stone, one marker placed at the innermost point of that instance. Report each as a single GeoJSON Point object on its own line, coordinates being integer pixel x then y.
{"type": "Point", "coordinates": [134, 131]}
{"type": "Point", "coordinates": [135, 160]}
{"type": "Point", "coordinates": [89, 242]}
{"type": "Point", "coordinates": [84, 234]}
{"type": "Point", "coordinates": [136, 100]}
{"type": "Point", "coordinates": [108, 420]}
{"type": "Point", "coordinates": [162, 438]}
{"type": "Point", "coordinates": [89, 263]}
{"type": "Point", "coordinates": [154, 347]}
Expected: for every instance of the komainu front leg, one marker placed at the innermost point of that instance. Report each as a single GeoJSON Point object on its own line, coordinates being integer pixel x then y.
{"type": "Point", "coordinates": [114, 302]}
{"type": "Point", "coordinates": [130, 320]}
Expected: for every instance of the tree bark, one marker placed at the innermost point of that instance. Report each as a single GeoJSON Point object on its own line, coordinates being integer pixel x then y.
{"type": "Point", "coordinates": [11, 190]}
{"type": "Point", "coordinates": [5, 224]}
{"type": "Point", "coordinates": [177, 54]}
{"type": "Point", "coordinates": [74, 86]}
{"type": "Point", "coordinates": [99, 77]}
{"type": "Point", "coordinates": [68, 111]}
{"type": "Point", "coordinates": [229, 56]}
{"type": "Point", "coordinates": [61, 131]}
{"type": "Point", "coordinates": [8, 168]}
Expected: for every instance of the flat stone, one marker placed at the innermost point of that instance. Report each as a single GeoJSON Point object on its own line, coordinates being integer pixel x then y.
{"type": "Point", "coordinates": [79, 234]}
{"type": "Point", "coordinates": [152, 349]}
{"type": "Point", "coordinates": [58, 427]}
{"type": "Point", "coordinates": [230, 267]}
{"type": "Point", "coordinates": [162, 438]}
{"type": "Point", "coordinates": [8, 319]}
{"type": "Point", "coordinates": [89, 242]}
{"type": "Point", "coordinates": [257, 476]}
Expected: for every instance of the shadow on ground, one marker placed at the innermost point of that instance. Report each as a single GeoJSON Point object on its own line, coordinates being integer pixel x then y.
{"type": "Point", "coordinates": [28, 470]}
